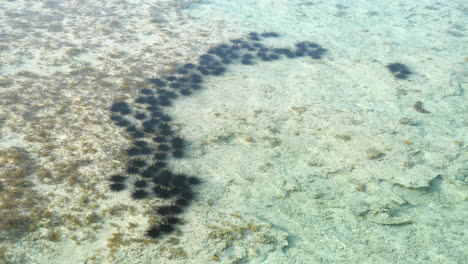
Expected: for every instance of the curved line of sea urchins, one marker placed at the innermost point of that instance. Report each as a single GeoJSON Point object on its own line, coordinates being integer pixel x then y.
{"type": "Point", "coordinates": [152, 121]}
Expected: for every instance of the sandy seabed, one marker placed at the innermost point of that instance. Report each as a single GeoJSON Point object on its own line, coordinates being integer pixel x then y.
{"type": "Point", "coordinates": [302, 160]}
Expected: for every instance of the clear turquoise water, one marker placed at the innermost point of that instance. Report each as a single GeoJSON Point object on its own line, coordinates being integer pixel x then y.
{"type": "Point", "coordinates": [354, 153]}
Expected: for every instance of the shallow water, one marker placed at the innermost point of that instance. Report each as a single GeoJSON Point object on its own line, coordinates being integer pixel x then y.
{"type": "Point", "coordinates": [310, 132]}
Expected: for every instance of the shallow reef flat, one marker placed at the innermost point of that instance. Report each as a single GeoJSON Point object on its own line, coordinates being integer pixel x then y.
{"type": "Point", "coordinates": [231, 132]}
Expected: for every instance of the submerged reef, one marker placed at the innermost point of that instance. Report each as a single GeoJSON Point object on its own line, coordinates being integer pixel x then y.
{"type": "Point", "coordinates": [155, 140]}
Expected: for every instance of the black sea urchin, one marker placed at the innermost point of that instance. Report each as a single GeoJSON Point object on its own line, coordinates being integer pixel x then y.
{"type": "Point", "coordinates": [117, 178]}
{"type": "Point", "coordinates": [121, 107]}
{"type": "Point", "coordinates": [117, 187]}
{"type": "Point", "coordinates": [140, 184]}
{"type": "Point", "coordinates": [139, 194]}
{"type": "Point", "coordinates": [153, 232]}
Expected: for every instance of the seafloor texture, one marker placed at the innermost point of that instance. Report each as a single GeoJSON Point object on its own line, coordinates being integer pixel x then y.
{"type": "Point", "coordinates": [275, 150]}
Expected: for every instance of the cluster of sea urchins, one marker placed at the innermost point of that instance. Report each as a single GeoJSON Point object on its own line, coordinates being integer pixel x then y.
{"type": "Point", "coordinates": [154, 139]}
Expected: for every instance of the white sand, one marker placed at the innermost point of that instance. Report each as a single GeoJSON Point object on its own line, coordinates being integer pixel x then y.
{"type": "Point", "coordinates": [285, 149]}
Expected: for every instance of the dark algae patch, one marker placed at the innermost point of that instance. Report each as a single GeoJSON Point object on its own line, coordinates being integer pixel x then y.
{"type": "Point", "coordinates": [419, 106]}
{"type": "Point", "coordinates": [154, 138]}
